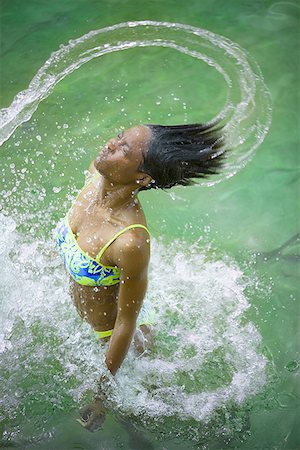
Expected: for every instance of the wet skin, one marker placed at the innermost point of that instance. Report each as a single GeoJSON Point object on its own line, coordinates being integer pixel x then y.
{"type": "Point", "coordinates": [103, 208]}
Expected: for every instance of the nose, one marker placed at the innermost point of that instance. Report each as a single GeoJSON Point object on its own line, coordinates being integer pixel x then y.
{"type": "Point", "coordinates": [112, 144]}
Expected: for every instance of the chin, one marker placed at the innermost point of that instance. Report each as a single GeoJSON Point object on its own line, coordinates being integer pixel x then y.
{"type": "Point", "coordinates": [101, 166]}
{"type": "Point", "coordinates": [98, 167]}
{"type": "Point", "coordinates": [100, 161]}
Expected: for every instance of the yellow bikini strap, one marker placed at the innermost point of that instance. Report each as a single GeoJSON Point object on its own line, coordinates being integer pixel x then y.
{"type": "Point", "coordinates": [135, 225]}
{"type": "Point", "coordinates": [104, 334]}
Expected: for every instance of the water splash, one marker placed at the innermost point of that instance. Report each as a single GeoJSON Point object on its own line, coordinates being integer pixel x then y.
{"type": "Point", "coordinates": [206, 356]}
{"type": "Point", "coordinates": [247, 110]}
{"type": "Point", "coordinates": [200, 362]}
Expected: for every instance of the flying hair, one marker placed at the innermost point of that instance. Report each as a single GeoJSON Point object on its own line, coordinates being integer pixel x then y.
{"type": "Point", "coordinates": [179, 154]}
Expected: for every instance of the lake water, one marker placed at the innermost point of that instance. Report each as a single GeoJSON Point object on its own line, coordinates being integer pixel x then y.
{"type": "Point", "coordinates": [224, 272]}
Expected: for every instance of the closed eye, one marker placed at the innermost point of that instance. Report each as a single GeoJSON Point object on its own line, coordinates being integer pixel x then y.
{"type": "Point", "coordinates": [125, 148]}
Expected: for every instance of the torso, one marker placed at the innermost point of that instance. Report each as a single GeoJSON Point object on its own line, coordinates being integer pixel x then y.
{"type": "Point", "coordinates": [93, 226]}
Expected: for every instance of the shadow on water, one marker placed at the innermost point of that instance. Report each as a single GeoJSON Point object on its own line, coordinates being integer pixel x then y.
{"type": "Point", "coordinates": [136, 439]}
{"type": "Point", "coordinates": [288, 251]}
{"type": "Point", "coordinates": [229, 426]}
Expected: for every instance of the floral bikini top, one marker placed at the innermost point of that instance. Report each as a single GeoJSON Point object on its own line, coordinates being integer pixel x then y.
{"type": "Point", "coordinates": [85, 270]}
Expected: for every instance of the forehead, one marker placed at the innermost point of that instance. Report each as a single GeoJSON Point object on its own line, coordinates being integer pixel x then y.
{"type": "Point", "coordinates": [139, 135]}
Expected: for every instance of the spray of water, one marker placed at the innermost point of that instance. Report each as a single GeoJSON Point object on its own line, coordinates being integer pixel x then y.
{"type": "Point", "coordinates": [206, 354]}
{"type": "Point", "coordinates": [247, 110]}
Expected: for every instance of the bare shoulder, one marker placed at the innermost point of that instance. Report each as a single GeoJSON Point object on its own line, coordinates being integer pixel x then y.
{"type": "Point", "coordinates": [132, 250]}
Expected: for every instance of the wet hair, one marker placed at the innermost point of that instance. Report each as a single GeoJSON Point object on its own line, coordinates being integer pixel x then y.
{"type": "Point", "coordinates": [179, 154]}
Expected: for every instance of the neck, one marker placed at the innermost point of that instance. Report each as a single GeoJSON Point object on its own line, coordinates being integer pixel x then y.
{"type": "Point", "coordinates": [115, 196]}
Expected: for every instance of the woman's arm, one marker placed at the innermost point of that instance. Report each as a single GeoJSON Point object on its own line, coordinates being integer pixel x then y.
{"type": "Point", "coordinates": [132, 256]}
{"type": "Point", "coordinates": [133, 261]}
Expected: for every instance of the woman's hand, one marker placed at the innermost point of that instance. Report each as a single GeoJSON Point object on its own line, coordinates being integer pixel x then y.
{"type": "Point", "coordinates": [92, 416]}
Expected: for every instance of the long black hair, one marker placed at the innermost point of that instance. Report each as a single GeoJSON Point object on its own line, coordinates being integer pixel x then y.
{"type": "Point", "coordinates": [180, 153]}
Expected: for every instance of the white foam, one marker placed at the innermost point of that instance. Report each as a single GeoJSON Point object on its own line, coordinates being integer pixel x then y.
{"type": "Point", "coordinates": [204, 357]}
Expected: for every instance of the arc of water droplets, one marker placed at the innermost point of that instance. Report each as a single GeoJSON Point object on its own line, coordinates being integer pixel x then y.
{"type": "Point", "coordinates": [247, 110]}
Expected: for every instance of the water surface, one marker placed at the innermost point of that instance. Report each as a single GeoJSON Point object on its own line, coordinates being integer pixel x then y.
{"type": "Point", "coordinates": [224, 271]}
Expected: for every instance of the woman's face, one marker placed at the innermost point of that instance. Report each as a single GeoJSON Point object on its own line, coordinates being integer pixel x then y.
{"type": "Point", "coordinates": [122, 156]}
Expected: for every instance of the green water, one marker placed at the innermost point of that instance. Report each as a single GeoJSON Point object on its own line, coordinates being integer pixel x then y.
{"type": "Point", "coordinates": [250, 221]}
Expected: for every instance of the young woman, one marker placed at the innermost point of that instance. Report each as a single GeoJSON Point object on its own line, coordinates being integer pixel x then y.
{"type": "Point", "coordinates": [104, 238]}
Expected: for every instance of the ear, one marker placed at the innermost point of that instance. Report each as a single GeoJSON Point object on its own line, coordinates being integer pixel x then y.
{"type": "Point", "coordinates": [143, 179]}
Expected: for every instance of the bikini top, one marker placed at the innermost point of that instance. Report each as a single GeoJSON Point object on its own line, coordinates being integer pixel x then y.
{"type": "Point", "coordinates": [83, 269]}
